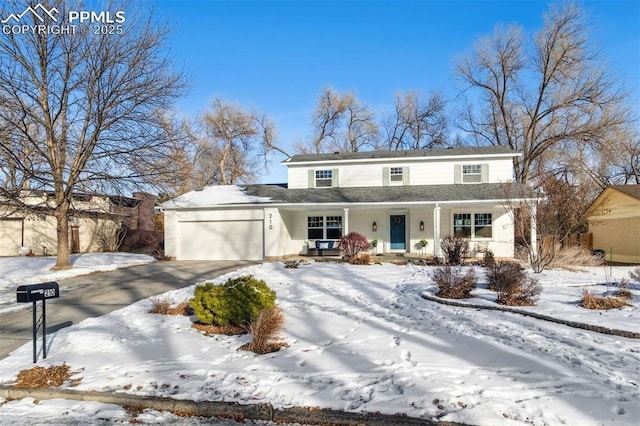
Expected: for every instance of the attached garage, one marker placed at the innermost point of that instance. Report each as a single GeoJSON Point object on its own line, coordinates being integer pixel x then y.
{"type": "Point", "coordinates": [220, 240]}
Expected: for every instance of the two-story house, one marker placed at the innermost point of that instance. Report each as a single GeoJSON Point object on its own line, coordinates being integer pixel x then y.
{"type": "Point", "coordinates": [396, 197]}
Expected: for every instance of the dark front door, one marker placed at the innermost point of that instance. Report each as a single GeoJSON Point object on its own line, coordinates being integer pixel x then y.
{"type": "Point", "coordinates": [398, 232]}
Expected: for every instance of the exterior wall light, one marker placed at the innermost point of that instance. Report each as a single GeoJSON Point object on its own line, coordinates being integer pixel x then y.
{"type": "Point", "coordinates": [374, 227]}
{"type": "Point", "coordinates": [421, 225]}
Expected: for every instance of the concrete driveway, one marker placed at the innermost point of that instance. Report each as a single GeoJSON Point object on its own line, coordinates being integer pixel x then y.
{"type": "Point", "coordinates": [99, 293]}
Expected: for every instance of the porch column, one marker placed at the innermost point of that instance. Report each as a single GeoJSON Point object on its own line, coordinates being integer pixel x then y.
{"type": "Point", "coordinates": [436, 231]}
{"type": "Point", "coordinates": [346, 222]}
{"type": "Point", "coordinates": [534, 227]}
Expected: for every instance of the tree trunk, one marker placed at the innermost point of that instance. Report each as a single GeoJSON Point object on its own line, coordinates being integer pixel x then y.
{"type": "Point", "coordinates": [63, 258]}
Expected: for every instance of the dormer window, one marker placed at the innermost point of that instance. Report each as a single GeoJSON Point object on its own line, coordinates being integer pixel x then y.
{"type": "Point", "coordinates": [472, 173]}
{"type": "Point", "coordinates": [395, 174]}
{"type": "Point", "coordinates": [324, 178]}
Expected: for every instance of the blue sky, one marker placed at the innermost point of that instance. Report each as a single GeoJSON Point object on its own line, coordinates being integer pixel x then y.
{"type": "Point", "coordinates": [277, 56]}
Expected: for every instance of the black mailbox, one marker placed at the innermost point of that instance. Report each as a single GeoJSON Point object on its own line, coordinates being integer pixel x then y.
{"type": "Point", "coordinates": [35, 292]}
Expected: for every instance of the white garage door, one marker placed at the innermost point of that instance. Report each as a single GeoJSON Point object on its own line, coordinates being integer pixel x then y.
{"type": "Point", "coordinates": [10, 237]}
{"type": "Point", "coordinates": [220, 240]}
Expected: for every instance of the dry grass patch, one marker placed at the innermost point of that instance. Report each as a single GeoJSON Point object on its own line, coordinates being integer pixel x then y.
{"type": "Point", "coordinates": [265, 332]}
{"type": "Point", "coordinates": [591, 301]}
{"type": "Point", "coordinates": [163, 307]}
{"type": "Point", "coordinates": [41, 377]}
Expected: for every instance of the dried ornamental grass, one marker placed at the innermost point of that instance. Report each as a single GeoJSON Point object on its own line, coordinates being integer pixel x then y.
{"type": "Point", "coordinates": [265, 332]}
{"type": "Point", "coordinates": [591, 301]}
{"type": "Point", "coordinates": [566, 258]}
{"type": "Point", "coordinates": [163, 307]}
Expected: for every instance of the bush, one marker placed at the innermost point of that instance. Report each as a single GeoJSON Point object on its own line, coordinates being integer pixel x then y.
{"type": "Point", "coordinates": [513, 285]}
{"type": "Point", "coordinates": [265, 332]}
{"type": "Point", "coordinates": [236, 302]}
{"type": "Point", "coordinates": [635, 274]}
{"type": "Point", "coordinates": [454, 249]}
{"type": "Point", "coordinates": [353, 244]}
{"type": "Point", "coordinates": [489, 259]}
{"type": "Point", "coordinates": [453, 283]}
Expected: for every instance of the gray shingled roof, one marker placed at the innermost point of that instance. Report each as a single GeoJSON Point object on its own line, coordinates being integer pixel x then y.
{"type": "Point", "coordinates": [441, 152]}
{"type": "Point", "coordinates": [393, 194]}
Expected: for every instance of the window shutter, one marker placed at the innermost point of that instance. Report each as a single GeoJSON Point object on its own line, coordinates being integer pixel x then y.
{"type": "Point", "coordinates": [485, 173]}
{"type": "Point", "coordinates": [405, 176]}
{"type": "Point", "coordinates": [457, 173]}
{"type": "Point", "coordinates": [312, 178]}
{"type": "Point", "coordinates": [385, 176]}
{"type": "Point", "coordinates": [335, 181]}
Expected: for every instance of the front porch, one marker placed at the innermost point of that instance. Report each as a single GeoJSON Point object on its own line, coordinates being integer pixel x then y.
{"type": "Point", "coordinates": [399, 231]}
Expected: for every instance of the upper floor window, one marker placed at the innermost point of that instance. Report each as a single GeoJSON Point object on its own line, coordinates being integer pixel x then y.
{"type": "Point", "coordinates": [395, 174]}
{"type": "Point", "coordinates": [324, 178]}
{"type": "Point", "coordinates": [472, 173]}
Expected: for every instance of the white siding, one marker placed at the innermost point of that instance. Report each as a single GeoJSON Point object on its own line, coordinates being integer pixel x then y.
{"type": "Point", "coordinates": [424, 172]}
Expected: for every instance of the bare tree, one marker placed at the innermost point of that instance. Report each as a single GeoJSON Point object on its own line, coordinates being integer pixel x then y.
{"type": "Point", "coordinates": [342, 124]}
{"type": "Point", "coordinates": [555, 95]}
{"type": "Point", "coordinates": [233, 140]}
{"type": "Point", "coordinates": [416, 122]}
{"type": "Point", "coordinates": [556, 215]}
{"type": "Point", "coordinates": [84, 106]}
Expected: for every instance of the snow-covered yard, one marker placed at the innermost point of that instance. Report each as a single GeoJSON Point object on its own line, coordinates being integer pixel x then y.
{"type": "Point", "coordinates": [17, 271]}
{"type": "Point", "coordinates": [363, 339]}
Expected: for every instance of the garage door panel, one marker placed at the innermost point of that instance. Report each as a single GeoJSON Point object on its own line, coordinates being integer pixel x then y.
{"type": "Point", "coordinates": [220, 240]}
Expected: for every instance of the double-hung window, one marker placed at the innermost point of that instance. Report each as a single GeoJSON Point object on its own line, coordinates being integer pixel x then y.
{"type": "Point", "coordinates": [468, 225]}
{"type": "Point", "coordinates": [395, 174]}
{"type": "Point", "coordinates": [324, 178]}
{"type": "Point", "coordinates": [472, 173]}
{"type": "Point", "coordinates": [324, 227]}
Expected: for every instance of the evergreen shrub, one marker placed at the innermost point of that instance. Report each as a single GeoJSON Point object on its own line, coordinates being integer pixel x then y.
{"type": "Point", "coordinates": [236, 302]}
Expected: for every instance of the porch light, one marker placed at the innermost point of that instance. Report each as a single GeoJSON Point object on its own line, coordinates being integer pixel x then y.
{"type": "Point", "coordinates": [421, 225]}
{"type": "Point", "coordinates": [374, 227]}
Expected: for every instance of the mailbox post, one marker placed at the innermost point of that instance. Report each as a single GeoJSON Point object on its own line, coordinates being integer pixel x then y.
{"type": "Point", "coordinates": [33, 293]}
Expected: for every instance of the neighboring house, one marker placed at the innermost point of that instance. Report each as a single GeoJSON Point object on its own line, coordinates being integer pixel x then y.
{"type": "Point", "coordinates": [614, 222]}
{"type": "Point", "coordinates": [396, 197]}
{"type": "Point", "coordinates": [95, 222]}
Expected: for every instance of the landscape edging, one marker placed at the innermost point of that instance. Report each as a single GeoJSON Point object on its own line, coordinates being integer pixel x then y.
{"type": "Point", "coordinates": [580, 325]}
{"type": "Point", "coordinates": [231, 410]}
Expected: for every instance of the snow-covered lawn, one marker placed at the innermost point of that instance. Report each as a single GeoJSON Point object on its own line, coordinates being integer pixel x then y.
{"type": "Point", "coordinates": [363, 339]}
{"type": "Point", "coordinates": [17, 271]}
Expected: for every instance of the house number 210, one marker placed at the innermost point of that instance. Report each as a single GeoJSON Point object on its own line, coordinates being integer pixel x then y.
{"type": "Point", "coordinates": [270, 222]}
